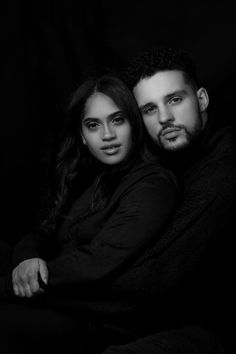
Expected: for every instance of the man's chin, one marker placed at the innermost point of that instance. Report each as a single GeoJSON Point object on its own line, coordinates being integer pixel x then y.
{"type": "Point", "coordinates": [174, 145]}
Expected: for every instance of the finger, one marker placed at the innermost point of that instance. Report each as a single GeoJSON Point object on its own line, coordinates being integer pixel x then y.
{"type": "Point", "coordinates": [14, 277]}
{"type": "Point", "coordinates": [16, 290]}
{"type": "Point", "coordinates": [27, 291]}
{"type": "Point", "coordinates": [22, 284]}
{"type": "Point", "coordinates": [21, 291]}
{"type": "Point", "coordinates": [43, 271]}
{"type": "Point", "coordinates": [34, 285]}
{"type": "Point", "coordinates": [17, 286]}
{"type": "Point", "coordinates": [39, 292]}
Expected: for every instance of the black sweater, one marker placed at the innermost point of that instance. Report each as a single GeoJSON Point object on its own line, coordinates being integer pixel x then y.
{"type": "Point", "coordinates": [191, 269]}
{"type": "Point", "coordinates": [95, 252]}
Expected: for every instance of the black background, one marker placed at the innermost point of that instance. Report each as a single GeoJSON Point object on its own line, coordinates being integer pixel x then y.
{"type": "Point", "coordinates": [47, 47]}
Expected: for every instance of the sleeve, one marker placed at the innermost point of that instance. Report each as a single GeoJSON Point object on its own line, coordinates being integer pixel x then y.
{"type": "Point", "coordinates": [41, 242]}
{"type": "Point", "coordinates": [142, 212]}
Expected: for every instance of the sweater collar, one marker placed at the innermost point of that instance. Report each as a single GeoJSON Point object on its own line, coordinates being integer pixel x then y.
{"type": "Point", "coordinates": [207, 142]}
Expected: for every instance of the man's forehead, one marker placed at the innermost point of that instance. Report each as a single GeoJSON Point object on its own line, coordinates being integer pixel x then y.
{"type": "Point", "coordinates": [160, 84]}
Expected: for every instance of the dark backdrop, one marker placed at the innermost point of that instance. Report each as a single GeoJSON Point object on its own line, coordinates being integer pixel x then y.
{"type": "Point", "coordinates": [47, 47]}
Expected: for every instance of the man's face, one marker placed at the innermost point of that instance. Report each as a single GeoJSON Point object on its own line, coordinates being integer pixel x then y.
{"type": "Point", "coordinates": [173, 112]}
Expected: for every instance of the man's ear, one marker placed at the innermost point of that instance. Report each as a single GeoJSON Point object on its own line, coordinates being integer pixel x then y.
{"type": "Point", "coordinates": [203, 99]}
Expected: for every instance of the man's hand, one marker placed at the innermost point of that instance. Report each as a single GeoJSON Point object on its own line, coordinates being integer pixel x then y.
{"type": "Point", "coordinates": [25, 277]}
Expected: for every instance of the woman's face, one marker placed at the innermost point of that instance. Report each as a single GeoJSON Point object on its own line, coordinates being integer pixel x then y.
{"type": "Point", "coordinates": [105, 130]}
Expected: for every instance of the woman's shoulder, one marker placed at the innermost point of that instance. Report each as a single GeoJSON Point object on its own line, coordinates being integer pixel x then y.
{"type": "Point", "coordinates": [146, 168]}
{"type": "Point", "coordinates": [149, 171]}
{"type": "Point", "coordinates": [145, 180]}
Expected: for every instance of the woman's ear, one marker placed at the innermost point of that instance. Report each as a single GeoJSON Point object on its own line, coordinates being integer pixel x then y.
{"type": "Point", "coordinates": [83, 140]}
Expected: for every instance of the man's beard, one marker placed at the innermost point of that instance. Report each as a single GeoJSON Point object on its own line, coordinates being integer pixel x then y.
{"type": "Point", "coordinates": [190, 137]}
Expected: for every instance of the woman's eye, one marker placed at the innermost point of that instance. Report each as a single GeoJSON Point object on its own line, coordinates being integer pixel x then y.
{"type": "Point", "coordinates": [91, 125]}
{"type": "Point", "coordinates": [118, 120]}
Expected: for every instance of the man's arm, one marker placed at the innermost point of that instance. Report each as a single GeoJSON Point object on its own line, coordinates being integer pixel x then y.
{"type": "Point", "coordinates": [186, 340]}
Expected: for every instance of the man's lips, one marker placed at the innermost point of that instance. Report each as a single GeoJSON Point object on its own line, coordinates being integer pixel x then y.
{"type": "Point", "coordinates": [170, 133]}
{"type": "Point", "coordinates": [169, 130]}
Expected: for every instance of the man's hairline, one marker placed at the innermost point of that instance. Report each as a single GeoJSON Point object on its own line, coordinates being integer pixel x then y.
{"type": "Point", "coordinates": [190, 81]}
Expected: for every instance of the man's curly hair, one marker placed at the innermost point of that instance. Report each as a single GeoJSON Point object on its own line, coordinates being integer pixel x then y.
{"type": "Point", "coordinates": [158, 59]}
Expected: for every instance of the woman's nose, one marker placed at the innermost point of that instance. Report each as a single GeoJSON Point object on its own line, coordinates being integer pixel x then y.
{"type": "Point", "coordinates": [108, 133]}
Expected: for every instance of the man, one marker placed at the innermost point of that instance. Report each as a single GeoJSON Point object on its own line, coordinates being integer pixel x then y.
{"type": "Point", "coordinates": [192, 265]}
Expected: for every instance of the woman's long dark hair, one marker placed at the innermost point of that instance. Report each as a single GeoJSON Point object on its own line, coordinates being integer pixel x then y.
{"type": "Point", "coordinates": [73, 167]}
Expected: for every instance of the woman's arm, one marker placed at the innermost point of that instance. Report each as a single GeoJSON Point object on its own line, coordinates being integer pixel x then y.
{"type": "Point", "coordinates": [40, 243]}
{"type": "Point", "coordinates": [30, 273]}
{"type": "Point", "coordinates": [140, 217]}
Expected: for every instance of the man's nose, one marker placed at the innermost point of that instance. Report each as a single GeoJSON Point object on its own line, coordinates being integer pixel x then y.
{"type": "Point", "coordinates": [108, 133]}
{"type": "Point", "coordinates": [165, 115]}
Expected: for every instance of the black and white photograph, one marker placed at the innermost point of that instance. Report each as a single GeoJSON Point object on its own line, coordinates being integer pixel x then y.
{"type": "Point", "coordinates": [119, 177]}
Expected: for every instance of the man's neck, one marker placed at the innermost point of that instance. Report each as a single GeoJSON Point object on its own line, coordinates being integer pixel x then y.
{"type": "Point", "coordinates": [182, 160]}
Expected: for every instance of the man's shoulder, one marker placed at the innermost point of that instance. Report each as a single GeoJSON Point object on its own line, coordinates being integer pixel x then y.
{"type": "Point", "coordinates": [215, 171]}
{"type": "Point", "coordinates": [222, 150]}
{"type": "Point", "coordinates": [223, 141]}
{"type": "Point", "coordinates": [218, 151]}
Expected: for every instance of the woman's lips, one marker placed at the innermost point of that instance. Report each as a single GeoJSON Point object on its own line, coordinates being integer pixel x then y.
{"type": "Point", "coordinates": [111, 149]}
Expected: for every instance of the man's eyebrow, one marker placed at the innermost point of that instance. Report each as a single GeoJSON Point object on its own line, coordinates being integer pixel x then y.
{"type": "Point", "coordinates": [176, 92]}
{"type": "Point", "coordinates": [146, 105]}
{"type": "Point", "coordinates": [167, 97]}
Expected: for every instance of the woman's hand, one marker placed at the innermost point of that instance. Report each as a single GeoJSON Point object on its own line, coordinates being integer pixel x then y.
{"type": "Point", "coordinates": [25, 279]}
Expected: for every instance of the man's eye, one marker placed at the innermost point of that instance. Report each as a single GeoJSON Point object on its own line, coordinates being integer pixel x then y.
{"type": "Point", "coordinates": [149, 110]}
{"type": "Point", "coordinates": [176, 99]}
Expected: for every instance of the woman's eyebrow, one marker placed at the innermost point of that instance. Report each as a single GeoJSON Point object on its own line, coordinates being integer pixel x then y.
{"type": "Point", "coordinates": [110, 116]}
{"type": "Point", "coordinates": [87, 119]}
{"type": "Point", "coordinates": [114, 114]}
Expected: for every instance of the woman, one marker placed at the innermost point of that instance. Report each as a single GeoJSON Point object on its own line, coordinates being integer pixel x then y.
{"type": "Point", "coordinates": [109, 207]}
